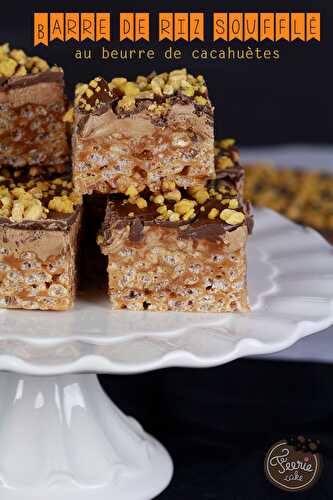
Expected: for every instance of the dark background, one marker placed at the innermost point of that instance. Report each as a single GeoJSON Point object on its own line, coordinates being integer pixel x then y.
{"type": "Point", "coordinates": [219, 423]}
{"type": "Point", "coordinates": [258, 102]}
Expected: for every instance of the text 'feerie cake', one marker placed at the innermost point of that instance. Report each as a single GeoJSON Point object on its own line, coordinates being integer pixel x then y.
{"type": "Point", "coordinates": [138, 134]}
{"type": "Point", "coordinates": [32, 105]}
{"type": "Point", "coordinates": [40, 218]}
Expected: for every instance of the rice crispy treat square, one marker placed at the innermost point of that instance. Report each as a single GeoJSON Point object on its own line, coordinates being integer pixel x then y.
{"type": "Point", "coordinates": [184, 254]}
{"type": "Point", "coordinates": [39, 229]}
{"type": "Point", "coordinates": [139, 134]}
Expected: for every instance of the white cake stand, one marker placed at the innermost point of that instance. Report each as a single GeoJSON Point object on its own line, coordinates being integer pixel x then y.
{"type": "Point", "coordinates": [61, 438]}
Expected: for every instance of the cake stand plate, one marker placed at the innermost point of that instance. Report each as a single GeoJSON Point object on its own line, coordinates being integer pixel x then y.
{"type": "Point", "coordinates": [61, 437]}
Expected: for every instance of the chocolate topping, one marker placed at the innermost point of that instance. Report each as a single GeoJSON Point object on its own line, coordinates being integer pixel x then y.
{"type": "Point", "coordinates": [55, 222]}
{"type": "Point", "coordinates": [28, 80]}
{"type": "Point", "coordinates": [202, 227]}
{"type": "Point", "coordinates": [156, 93]}
{"type": "Point", "coordinates": [97, 97]}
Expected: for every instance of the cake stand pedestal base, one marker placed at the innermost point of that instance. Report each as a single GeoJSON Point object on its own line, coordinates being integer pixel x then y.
{"type": "Point", "coordinates": [62, 438]}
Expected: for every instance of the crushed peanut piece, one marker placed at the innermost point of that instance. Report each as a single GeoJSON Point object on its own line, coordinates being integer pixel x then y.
{"type": "Point", "coordinates": [184, 206]}
{"type": "Point", "coordinates": [232, 217]}
{"type": "Point", "coordinates": [162, 209]}
{"type": "Point", "coordinates": [213, 213]}
{"type": "Point", "coordinates": [62, 204]}
{"type": "Point", "coordinates": [141, 203]}
{"type": "Point", "coordinates": [7, 67]}
{"type": "Point", "coordinates": [200, 194]}
{"type": "Point", "coordinates": [227, 143]}
{"type": "Point", "coordinates": [19, 56]}
{"type": "Point", "coordinates": [233, 203]}
{"type": "Point", "coordinates": [69, 116]}
{"type": "Point", "coordinates": [190, 214]}
{"type": "Point", "coordinates": [200, 100]}
{"type": "Point", "coordinates": [127, 103]}
{"type": "Point", "coordinates": [168, 186]}
{"type": "Point", "coordinates": [118, 82]}
{"type": "Point", "coordinates": [158, 199]}
{"type": "Point", "coordinates": [224, 162]}
{"type": "Point", "coordinates": [131, 89]}
{"type": "Point", "coordinates": [174, 195]}
{"type": "Point", "coordinates": [131, 191]}
{"type": "Point", "coordinates": [174, 217]}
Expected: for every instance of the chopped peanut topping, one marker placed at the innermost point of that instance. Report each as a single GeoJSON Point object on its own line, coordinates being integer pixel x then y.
{"type": "Point", "coordinates": [162, 86]}
{"type": "Point", "coordinates": [32, 198]}
{"type": "Point", "coordinates": [16, 63]}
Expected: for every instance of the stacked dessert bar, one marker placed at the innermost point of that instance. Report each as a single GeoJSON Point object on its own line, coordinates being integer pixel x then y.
{"type": "Point", "coordinates": [40, 213]}
{"type": "Point", "coordinates": [176, 224]}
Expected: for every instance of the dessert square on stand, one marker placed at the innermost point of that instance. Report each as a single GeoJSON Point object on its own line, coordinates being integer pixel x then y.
{"type": "Point", "coordinates": [139, 134]}
{"type": "Point", "coordinates": [185, 254]}
{"type": "Point", "coordinates": [39, 228]}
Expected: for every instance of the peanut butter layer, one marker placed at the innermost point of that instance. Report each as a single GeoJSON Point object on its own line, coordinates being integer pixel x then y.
{"type": "Point", "coordinates": [141, 133]}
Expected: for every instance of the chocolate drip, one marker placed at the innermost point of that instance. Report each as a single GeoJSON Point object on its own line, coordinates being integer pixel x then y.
{"type": "Point", "coordinates": [16, 82]}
